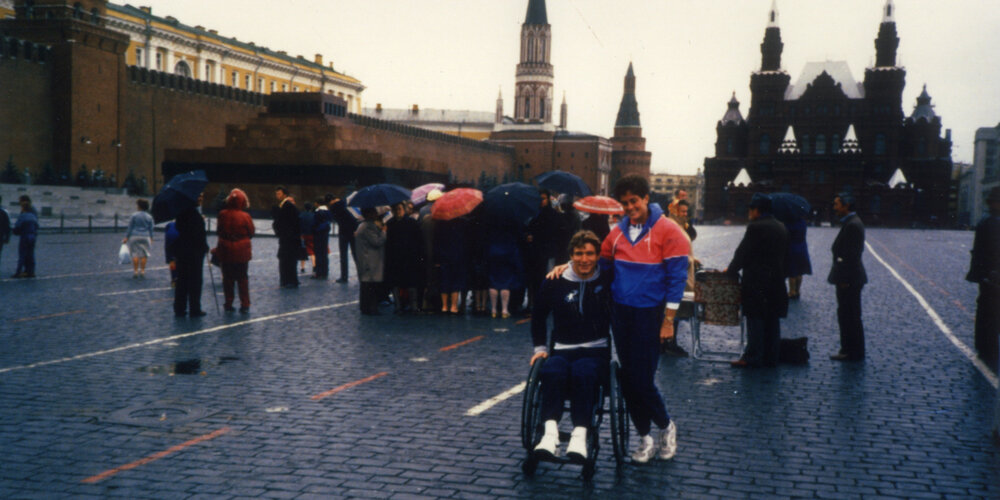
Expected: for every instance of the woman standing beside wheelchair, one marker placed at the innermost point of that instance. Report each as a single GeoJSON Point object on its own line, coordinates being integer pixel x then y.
{"type": "Point", "coordinates": [580, 349]}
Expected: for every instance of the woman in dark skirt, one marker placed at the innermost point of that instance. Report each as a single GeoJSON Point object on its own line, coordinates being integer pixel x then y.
{"type": "Point", "coordinates": [503, 260]}
{"type": "Point", "coordinates": [451, 256]}
{"type": "Point", "coordinates": [404, 259]}
{"type": "Point", "coordinates": [797, 263]}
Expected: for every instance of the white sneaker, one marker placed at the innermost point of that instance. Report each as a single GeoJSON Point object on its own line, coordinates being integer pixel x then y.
{"type": "Point", "coordinates": [645, 451]}
{"type": "Point", "coordinates": [577, 447]}
{"type": "Point", "coordinates": [547, 446]}
{"type": "Point", "coordinates": [668, 442]}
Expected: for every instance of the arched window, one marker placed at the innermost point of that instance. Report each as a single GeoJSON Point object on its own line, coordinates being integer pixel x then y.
{"type": "Point", "coordinates": [527, 107]}
{"type": "Point", "coordinates": [820, 144]}
{"type": "Point", "coordinates": [541, 108]}
{"type": "Point", "coordinates": [77, 11]}
{"type": "Point", "coordinates": [729, 145]}
{"type": "Point", "coordinates": [806, 146]}
{"type": "Point", "coordinates": [94, 15]}
{"type": "Point", "coordinates": [765, 144]}
{"type": "Point", "coordinates": [880, 144]}
{"type": "Point", "coordinates": [922, 146]}
{"type": "Point", "coordinates": [182, 69]}
{"type": "Point", "coordinates": [531, 48]}
{"type": "Point", "coordinates": [835, 144]}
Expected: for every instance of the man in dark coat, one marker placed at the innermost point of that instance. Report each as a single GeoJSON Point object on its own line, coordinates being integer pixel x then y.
{"type": "Point", "coordinates": [321, 239]}
{"type": "Point", "coordinates": [985, 270]}
{"type": "Point", "coordinates": [404, 259]}
{"type": "Point", "coordinates": [848, 274]}
{"type": "Point", "coordinates": [542, 236]}
{"type": "Point", "coordinates": [347, 224]}
{"type": "Point", "coordinates": [189, 249]}
{"type": "Point", "coordinates": [761, 257]}
{"type": "Point", "coordinates": [286, 228]}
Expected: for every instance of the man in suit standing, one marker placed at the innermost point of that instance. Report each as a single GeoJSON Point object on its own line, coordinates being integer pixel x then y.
{"type": "Point", "coordinates": [848, 274]}
{"type": "Point", "coordinates": [984, 269]}
{"type": "Point", "coordinates": [286, 228]}
{"type": "Point", "coordinates": [761, 257]}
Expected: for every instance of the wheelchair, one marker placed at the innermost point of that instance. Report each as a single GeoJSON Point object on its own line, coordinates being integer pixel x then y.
{"type": "Point", "coordinates": [610, 401]}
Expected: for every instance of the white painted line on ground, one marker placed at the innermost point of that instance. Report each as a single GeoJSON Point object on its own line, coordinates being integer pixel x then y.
{"type": "Point", "coordinates": [77, 275]}
{"type": "Point", "coordinates": [966, 350]}
{"type": "Point", "coordinates": [172, 338]}
{"type": "Point", "coordinates": [128, 292]}
{"type": "Point", "coordinates": [490, 403]}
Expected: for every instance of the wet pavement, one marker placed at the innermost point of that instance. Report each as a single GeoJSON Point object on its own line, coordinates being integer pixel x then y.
{"type": "Point", "coordinates": [103, 393]}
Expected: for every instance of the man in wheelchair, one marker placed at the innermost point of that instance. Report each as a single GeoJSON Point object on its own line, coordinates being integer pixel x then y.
{"type": "Point", "coordinates": [579, 302]}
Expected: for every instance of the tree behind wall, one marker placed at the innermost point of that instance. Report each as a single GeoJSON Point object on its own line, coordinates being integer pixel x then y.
{"type": "Point", "coordinates": [10, 174]}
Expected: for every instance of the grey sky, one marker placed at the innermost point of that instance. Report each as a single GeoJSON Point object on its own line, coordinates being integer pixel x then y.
{"type": "Point", "coordinates": [689, 55]}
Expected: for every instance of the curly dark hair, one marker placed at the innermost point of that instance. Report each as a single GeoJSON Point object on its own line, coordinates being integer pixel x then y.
{"type": "Point", "coordinates": [632, 183]}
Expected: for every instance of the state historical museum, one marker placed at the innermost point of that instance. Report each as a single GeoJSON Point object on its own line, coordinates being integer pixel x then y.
{"type": "Point", "coordinates": [827, 134]}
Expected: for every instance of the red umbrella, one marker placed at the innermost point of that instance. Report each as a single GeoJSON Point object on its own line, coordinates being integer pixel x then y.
{"type": "Point", "coordinates": [599, 205]}
{"type": "Point", "coordinates": [456, 203]}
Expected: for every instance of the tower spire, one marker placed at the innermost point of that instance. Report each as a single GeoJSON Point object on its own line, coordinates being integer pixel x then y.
{"type": "Point", "coordinates": [887, 41]}
{"type": "Point", "coordinates": [770, 49]}
{"type": "Point", "coordinates": [533, 89]}
{"type": "Point", "coordinates": [628, 110]}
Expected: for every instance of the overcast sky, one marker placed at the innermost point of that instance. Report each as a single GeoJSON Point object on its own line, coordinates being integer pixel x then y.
{"type": "Point", "coordinates": [689, 55]}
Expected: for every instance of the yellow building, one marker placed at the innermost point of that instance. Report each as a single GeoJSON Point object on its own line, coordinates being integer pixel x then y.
{"type": "Point", "coordinates": [667, 184]}
{"type": "Point", "coordinates": [167, 45]}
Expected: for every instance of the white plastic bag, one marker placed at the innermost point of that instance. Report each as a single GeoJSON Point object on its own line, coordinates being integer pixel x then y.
{"type": "Point", "coordinates": [124, 257]}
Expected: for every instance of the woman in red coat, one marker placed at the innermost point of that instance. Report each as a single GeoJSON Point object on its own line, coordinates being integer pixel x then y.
{"type": "Point", "coordinates": [235, 228]}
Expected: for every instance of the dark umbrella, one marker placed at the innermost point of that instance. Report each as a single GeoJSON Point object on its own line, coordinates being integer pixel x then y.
{"type": "Point", "coordinates": [178, 194]}
{"type": "Point", "coordinates": [563, 182]}
{"type": "Point", "coordinates": [513, 203]}
{"type": "Point", "coordinates": [378, 195]}
{"type": "Point", "coordinates": [788, 207]}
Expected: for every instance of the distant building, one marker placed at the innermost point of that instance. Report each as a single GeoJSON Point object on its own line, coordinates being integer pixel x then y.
{"type": "Point", "coordinates": [91, 88]}
{"type": "Point", "coordinates": [476, 125]}
{"type": "Point", "coordinates": [985, 170]}
{"type": "Point", "coordinates": [827, 133]}
{"type": "Point", "coordinates": [963, 177]}
{"type": "Point", "coordinates": [665, 185]}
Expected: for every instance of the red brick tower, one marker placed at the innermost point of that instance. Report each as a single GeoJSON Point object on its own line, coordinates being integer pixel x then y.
{"type": "Point", "coordinates": [629, 155]}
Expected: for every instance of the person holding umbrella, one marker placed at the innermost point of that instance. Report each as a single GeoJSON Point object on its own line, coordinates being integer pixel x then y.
{"type": "Point", "coordinates": [347, 224]}
{"type": "Point", "coordinates": [190, 249]}
{"type": "Point", "coordinates": [792, 210]}
{"type": "Point", "coordinates": [286, 228]}
{"type": "Point", "coordinates": [404, 258]}
{"type": "Point", "coordinates": [321, 239]}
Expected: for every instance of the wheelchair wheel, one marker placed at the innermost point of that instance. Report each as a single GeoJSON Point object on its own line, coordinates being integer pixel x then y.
{"type": "Point", "coordinates": [619, 414]}
{"type": "Point", "coordinates": [531, 425]}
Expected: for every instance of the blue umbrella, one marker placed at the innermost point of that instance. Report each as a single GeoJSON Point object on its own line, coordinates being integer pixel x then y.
{"type": "Point", "coordinates": [178, 194]}
{"type": "Point", "coordinates": [513, 203]}
{"type": "Point", "coordinates": [563, 182]}
{"type": "Point", "coordinates": [788, 207]}
{"type": "Point", "coordinates": [378, 195]}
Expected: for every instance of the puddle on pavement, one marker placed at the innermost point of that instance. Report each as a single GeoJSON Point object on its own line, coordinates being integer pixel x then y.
{"type": "Point", "coordinates": [194, 366]}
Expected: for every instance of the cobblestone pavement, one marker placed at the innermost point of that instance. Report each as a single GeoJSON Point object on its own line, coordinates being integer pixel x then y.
{"type": "Point", "coordinates": [103, 393]}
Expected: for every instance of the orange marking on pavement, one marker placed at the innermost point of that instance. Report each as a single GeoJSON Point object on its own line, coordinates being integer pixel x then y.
{"type": "Point", "coordinates": [522, 321]}
{"type": "Point", "coordinates": [460, 344]}
{"type": "Point", "coordinates": [67, 313]}
{"type": "Point", "coordinates": [925, 278]}
{"type": "Point", "coordinates": [344, 387]}
{"type": "Point", "coordinates": [156, 456]}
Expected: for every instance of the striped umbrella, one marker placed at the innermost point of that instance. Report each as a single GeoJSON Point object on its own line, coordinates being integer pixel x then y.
{"type": "Point", "coordinates": [456, 203]}
{"type": "Point", "coordinates": [599, 205]}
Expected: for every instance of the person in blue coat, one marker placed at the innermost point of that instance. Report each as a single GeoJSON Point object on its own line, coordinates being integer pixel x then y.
{"type": "Point", "coordinates": [579, 302]}
{"type": "Point", "coordinates": [322, 219]}
{"type": "Point", "coordinates": [4, 228]}
{"type": "Point", "coordinates": [26, 227]}
{"type": "Point", "coordinates": [504, 266]}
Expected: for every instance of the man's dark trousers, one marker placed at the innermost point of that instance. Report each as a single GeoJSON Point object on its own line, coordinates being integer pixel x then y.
{"type": "Point", "coordinates": [187, 294]}
{"type": "Point", "coordinates": [852, 332]}
{"type": "Point", "coordinates": [637, 338]}
{"type": "Point", "coordinates": [988, 324]}
{"type": "Point", "coordinates": [346, 242]}
{"type": "Point", "coordinates": [321, 247]}
{"type": "Point", "coordinates": [764, 340]}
